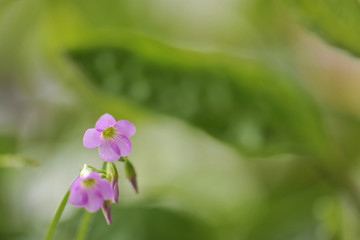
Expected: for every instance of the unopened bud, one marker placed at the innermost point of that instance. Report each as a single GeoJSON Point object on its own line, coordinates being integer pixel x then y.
{"type": "Point", "coordinates": [112, 176]}
{"type": "Point", "coordinates": [130, 174]}
{"type": "Point", "coordinates": [106, 209]}
{"type": "Point", "coordinates": [85, 171]}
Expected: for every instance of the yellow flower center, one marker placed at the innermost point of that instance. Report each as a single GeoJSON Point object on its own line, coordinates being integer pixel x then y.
{"type": "Point", "coordinates": [88, 183]}
{"type": "Point", "coordinates": [109, 133]}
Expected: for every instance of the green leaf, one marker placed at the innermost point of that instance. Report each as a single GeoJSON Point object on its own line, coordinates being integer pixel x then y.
{"type": "Point", "coordinates": [241, 102]}
{"type": "Point", "coordinates": [247, 104]}
{"type": "Point", "coordinates": [141, 223]}
{"type": "Point", "coordinates": [336, 21]}
{"type": "Point", "coordinates": [292, 195]}
{"type": "Point", "coordinates": [16, 161]}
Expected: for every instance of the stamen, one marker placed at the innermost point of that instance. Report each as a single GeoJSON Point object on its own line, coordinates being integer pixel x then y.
{"type": "Point", "coordinates": [88, 183]}
{"type": "Point", "coordinates": [109, 133]}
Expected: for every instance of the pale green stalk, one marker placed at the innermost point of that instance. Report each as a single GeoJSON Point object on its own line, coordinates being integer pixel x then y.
{"type": "Point", "coordinates": [81, 234]}
{"type": "Point", "coordinates": [57, 216]}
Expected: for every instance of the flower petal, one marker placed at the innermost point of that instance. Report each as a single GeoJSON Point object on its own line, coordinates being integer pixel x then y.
{"type": "Point", "coordinates": [92, 175]}
{"type": "Point", "coordinates": [92, 138]}
{"type": "Point", "coordinates": [124, 145]}
{"type": "Point", "coordinates": [125, 128]}
{"type": "Point", "coordinates": [95, 200]}
{"type": "Point", "coordinates": [105, 189]}
{"type": "Point", "coordinates": [78, 196]}
{"type": "Point", "coordinates": [104, 122]}
{"type": "Point", "coordinates": [109, 151]}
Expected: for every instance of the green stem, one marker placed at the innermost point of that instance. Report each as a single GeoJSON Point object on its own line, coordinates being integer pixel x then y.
{"type": "Point", "coordinates": [81, 234]}
{"type": "Point", "coordinates": [96, 170]}
{"type": "Point", "coordinates": [57, 216]}
{"type": "Point", "coordinates": [104, 166]}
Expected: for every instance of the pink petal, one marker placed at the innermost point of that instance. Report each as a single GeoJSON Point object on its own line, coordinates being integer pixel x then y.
{"type": "Point", "coordinates": [95, 200]}
{"type": "Point", "coordinates": [92, 175]}
{"type": "Point", "coordinates": [78, 196]}
{"type": "Point", "coordinates": [92, 138]}
{"type": "Point", "coordinates": [125, 128]}
{"type": "Point", "coordinates": [109, 151]}
{"type": "Point", "coordinates": [104, 122]}
{"type": "Point", "coordinates": [124, 145]}
{"type": "Point", "coordinates": [105, 189]}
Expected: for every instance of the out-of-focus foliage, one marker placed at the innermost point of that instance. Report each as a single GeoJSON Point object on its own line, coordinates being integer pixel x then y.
{"type": "Point", "coordinates": [335, 20]}
{"type": "Point", "coordinates": [16, 161]}
{"type": "Point", "coordinates": [254, 148]}
{"type": "Point", "coordinates": [143, 222]}
{"type": "Point", "coordinates": [226, 97]}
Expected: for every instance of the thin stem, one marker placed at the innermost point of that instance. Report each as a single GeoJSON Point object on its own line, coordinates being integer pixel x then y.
{"type": "Point", "coordinates": [81, 234]}
{"type": "Point", "coordinates": [96, 170]}
{"type": "Point", "coordinates": [104, 166]}
{"type": "Point", "coordinates": [57, 216]}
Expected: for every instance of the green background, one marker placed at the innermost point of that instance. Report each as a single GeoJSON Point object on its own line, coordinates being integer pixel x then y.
{"type": "Point", "coordinates": [247, 116]}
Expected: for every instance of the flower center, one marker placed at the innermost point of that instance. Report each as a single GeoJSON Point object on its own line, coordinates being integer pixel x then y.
{"type": "Point", "coordinates": [109, 133]}
{"type": "Point", "coordinates": [88, 183]}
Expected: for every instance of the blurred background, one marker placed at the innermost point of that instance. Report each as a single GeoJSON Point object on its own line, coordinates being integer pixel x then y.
{"type": "Point", "coordinates": [247, 116]}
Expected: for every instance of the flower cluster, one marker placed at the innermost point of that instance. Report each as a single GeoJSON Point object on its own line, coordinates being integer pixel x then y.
{"type": "Point", "coordinates": [95, 189]}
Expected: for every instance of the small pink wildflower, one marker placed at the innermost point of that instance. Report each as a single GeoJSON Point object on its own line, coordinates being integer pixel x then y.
{"type": "Point", "coordinates": [111, 137]}
{"type": "Point", "coordinates": [90, 191]}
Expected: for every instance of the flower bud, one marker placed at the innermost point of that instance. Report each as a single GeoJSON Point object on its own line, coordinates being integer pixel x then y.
{"type": "Point", "coordinates": [130, 174]}
{"type": "Point", "coordinates": [106, 209]}
{"type": "Point", "coordinates": [112, 176]}
{"type": "Point", "coordinates": [85, 171]}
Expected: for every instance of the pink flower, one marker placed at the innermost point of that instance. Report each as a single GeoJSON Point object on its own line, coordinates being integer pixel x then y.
{"type": "Point", "coordinates": [89, 191]}
{"type": "Point", "coordinates": [111, 137]}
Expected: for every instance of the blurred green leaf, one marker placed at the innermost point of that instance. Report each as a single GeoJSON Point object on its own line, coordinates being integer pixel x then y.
{"type": "Point", "coordinates": [241, 102]}
{"type": "Point", "coordinates": [16, 161]}
{"type": "Point", "coordinates": [345, 129]}
{"type": "Point", "coordinates": [245, 103]}
{"type": "Point", "coordinates": [141, 223]}
{"type": "Point", "coordinates": [8, 143]}
{"type": "Point", "coordinates": [292, 195]}
{"type": "Point", "coordinates": [336, 21]}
